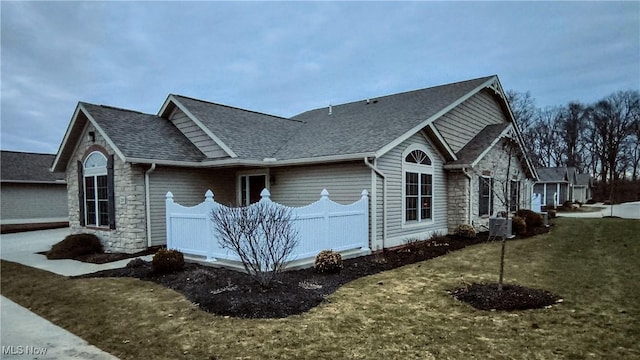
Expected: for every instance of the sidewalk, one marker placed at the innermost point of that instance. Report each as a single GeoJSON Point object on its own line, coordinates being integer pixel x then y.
{"type": "Point", "coordinates": [630, 210]}
{"type": "Point", "coordinates": [25, 335]}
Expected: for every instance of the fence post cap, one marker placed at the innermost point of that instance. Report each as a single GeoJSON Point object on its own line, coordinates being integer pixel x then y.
{"type": "Point", "coordinates": [324, 193]}
{"type": "Point", "coordinates": [365, 193]}
{"type": "Point", "coordinates": [169, 195]}
{"type": "Point", "coordinates": [265, 193]}
{"type": "Point", "coordinates": [209, 194]}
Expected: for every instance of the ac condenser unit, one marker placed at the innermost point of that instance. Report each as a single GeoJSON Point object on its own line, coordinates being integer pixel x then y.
{"type": "Point", "coordinates": [499, 227]}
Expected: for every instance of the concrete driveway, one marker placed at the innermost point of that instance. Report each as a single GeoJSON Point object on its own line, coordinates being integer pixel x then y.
{"type": "Point", "coordinates": [25, 335]}
{"type": "Point", "coordinates": [630, 210]}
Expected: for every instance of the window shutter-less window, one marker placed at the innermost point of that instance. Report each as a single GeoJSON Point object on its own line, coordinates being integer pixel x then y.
{"type": "Point", "coordinates": [81, 192]}
{"type": "Point", "coordinates": [111, 193]}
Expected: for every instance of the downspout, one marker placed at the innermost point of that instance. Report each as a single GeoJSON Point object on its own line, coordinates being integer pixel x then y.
{"type": "Point", "coordinates": [384, 196]}
{"type": "Point", "coordinates": [147, 200]}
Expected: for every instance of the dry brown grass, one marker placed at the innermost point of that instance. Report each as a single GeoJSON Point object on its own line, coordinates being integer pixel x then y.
{"type": "Point", "coordinates": [401, 314]}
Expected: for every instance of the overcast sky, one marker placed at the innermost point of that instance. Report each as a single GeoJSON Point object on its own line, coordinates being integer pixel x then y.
{"type": "Point", "coordinates": [285, 58]}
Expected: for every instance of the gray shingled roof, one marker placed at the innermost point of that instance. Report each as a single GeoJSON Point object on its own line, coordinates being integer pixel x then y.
{"type": "Point", "coordinates": [144, 136]}
{"type": "Point", "coordinates": [28, 167]}
{"type": "Point", "coordinates": [249, 134]}
{"type": "Point", "coordinates": [552, 174]}
{"type": "Point", "coordinates": [474, 148]}
{"type": "Point", "coordinates": [583, 180]}
{"type": "Point", "coordinates": [361, 127]}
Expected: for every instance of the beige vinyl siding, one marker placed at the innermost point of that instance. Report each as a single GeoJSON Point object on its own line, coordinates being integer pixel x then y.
{"type": "Point", "coordinates": [196, 135]}
{"type": "Point", "coordinates": [465, 121]}
{"type": "Point", "coordinates": [30, 203]}
{"type": "Point", "coordinates": [301, 185]}
{"type": "Point", "coordinates": [391, 165]}
{"type": "Point", "coordinates": [188, 187]}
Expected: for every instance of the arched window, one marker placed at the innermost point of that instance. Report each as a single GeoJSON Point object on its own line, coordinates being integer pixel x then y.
{"type": "Point", "coordinates": [418, 185]}
{"type": "Point", "coordinates": [96, 198]}
{"type": "Point", "coordinates": [418, 157]}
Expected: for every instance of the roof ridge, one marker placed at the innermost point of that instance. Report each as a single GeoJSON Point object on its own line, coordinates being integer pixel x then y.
{"type": "Point", "coordinates": [25, 152]}
{"type": "Point", "coordinates": [374, 98]}
{"type": "Point", "coordinates": [237, 108]}
{"type": "Point", "coordinates": [116, 108]}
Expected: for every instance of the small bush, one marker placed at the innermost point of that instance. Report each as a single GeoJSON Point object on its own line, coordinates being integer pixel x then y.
{"type": "Point", "coordinates": [328, 262]}
{"type": "Point", "coordinates": [466, 231]}
{"type": "Point", "coordinates": [136, 263]}
{"type": "Point", "coordinates": [519, 226]}
{"type": "Point", "coordinates": [167, 261]}
{"type": "Point", "coordinates": [74, 246]}
{"type": "Point", "coordinates": [567, 204]}
{"type": "Point", "coordinates": [591, 201]}
{"type": "Point", "coordinates": [532, 218]}
{"type": "Point", "coordinates": [552, 214]}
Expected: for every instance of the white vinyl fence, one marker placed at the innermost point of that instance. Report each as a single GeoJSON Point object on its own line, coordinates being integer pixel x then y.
{"type": "Point", "coordinates": [321, 225]}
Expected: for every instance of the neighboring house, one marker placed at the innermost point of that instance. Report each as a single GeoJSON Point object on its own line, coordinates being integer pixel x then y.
{"type": "Point", "coordinates": [31, 197]}
{"type": "Point", "coordinates": [583, 188]}
{"type": "Point", "coordinates": [560, 184]}
{"type": "Point", "coordinates": [426, 157]}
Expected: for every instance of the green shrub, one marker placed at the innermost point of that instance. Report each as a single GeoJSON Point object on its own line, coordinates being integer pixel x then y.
{"type": "Point", "coordinates": [532, 218]}
{"type": "Point", "coordinates": [167, 261]}
{"type": "Point", "coordinates": [75, 245]}
{"type": "Point", "coordinates": [328, 262]}
{"type": "Point", "coordinates": [567, 204]}
{"type": "Point", "coordinates": [466, 231]}
{"type": "Point", "coordinates": [518, 225]}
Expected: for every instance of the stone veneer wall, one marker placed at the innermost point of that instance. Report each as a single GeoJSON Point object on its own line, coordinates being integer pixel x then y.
{"type": "Point", "coordinates": [495, 161]}
{"type": "Point", "coordinates": [457, 200]}
{"type": "Point", "coordinates": [129, 236]}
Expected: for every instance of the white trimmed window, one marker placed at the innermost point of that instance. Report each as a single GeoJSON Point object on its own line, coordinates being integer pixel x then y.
{"type": "Point", "coordinates": [417, 174]}
{"type": "Point", "coordinates": [485, 196]}
{"type": "Point", "coordinates": [96, 199]}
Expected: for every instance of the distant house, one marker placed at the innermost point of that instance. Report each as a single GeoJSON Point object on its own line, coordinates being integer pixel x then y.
{"type": "Point", "coordinates": [31, 197]}
{"type": "Point", "coordinates": [427, 158]}
{"type": "Point", "coordinates": [583, 188]}
{"type": "Point", "coordinates": [560, 184]}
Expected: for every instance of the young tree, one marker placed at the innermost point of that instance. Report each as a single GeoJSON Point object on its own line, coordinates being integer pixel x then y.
{"type": "Point", "coordinates": [503, 177]}
{"type": "Point", "coordinates": [262, 235]}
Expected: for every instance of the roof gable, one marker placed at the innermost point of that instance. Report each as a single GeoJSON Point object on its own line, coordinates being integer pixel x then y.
{"type": "Point", "coordinates": [133, 135]}
{"type": "Point", "coordinates": [246, 134]}
{"type": "Point", "coordinates": [375, 125]}
{"type": "Point", "coordinates": [23, 167]}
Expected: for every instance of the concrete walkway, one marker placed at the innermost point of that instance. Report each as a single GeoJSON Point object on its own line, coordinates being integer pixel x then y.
{"type": "Point", "coordinates": [630, 210]}
{"type": "Point", "coordinates": [25, 335]}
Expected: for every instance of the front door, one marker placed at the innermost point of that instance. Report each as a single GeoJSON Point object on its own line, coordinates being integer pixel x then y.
{"type": "Point", "coordinates": [250, 188]}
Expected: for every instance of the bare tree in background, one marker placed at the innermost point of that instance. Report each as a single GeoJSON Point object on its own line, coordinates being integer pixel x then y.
{"type": "Point", "coordinates": [261, 234]}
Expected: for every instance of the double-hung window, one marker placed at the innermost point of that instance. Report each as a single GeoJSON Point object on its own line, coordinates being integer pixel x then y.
{"type": "Point", "coordinates": [485, 196]}
{"type": "Point", "coordinates": [514, 189]}
{"type": "Point", "coordinates": [418, 187]}
{"type": "Point", "coordinates": [96, 199]}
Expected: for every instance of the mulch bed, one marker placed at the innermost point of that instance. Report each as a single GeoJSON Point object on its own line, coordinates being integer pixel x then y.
{"type": "Point", "coordinates": [104, 258]}
{"type": "Point", "coordinates": [232, 293]}
{"type": "Point", "coordinates": [486, 296]}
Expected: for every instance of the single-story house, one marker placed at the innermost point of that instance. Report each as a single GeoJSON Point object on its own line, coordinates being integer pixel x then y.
{"type": "Point", "coordinates": [31, 196]}
{"type": "Point", "coordinates": [428, 159]}
{"type": "Point", "coordinates": [583, 188]}
{"type": "Point", "coordinates": [560, 184]}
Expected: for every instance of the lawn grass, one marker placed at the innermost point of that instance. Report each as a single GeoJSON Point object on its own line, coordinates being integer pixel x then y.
{"type": "Point", "coordinates": [401, 314]}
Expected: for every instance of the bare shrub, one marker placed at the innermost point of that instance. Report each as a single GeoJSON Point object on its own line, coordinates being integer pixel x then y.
{"type": "Point", "coordinates": [262, 235]}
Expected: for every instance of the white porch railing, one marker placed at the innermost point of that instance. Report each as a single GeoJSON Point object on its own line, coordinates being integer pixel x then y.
{"type": "Point", "coordinates": [321, 225]}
